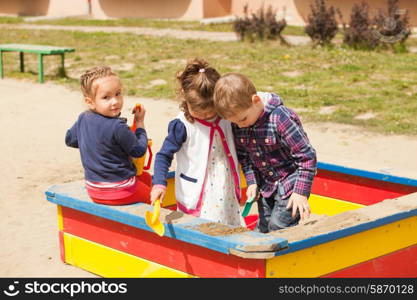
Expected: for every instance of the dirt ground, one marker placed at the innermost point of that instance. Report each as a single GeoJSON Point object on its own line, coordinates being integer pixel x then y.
{"type": "Point", "coordinates": [33, 123]}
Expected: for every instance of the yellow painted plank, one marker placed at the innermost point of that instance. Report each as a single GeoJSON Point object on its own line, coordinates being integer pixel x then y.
{"type": "Point", "coordinates": [60, 219]}
{"type": "Point", "coordinates": [348, 251]}
{"type": "Point", "coordinates": [321, 205]}
{"type": "Point", "coordinates": [108, 262]}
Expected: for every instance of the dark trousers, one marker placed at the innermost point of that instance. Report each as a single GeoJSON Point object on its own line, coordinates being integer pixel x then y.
{"type": "Point", "coordinates": [273, 214]}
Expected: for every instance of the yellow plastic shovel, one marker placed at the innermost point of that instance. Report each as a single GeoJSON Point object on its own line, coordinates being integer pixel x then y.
{"type": "Point", "coordinates": [152, 219]}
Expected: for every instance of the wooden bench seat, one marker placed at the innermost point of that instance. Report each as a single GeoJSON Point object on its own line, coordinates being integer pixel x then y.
{"type": "Point", "coordinates": [41, 50]}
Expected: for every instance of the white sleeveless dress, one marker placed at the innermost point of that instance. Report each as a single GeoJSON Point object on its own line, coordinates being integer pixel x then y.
{"type": "Point", "coordinates": [219, 199]}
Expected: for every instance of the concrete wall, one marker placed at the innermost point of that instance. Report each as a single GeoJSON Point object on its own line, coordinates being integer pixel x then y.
{"type": "Point", "coordinates": [101, 9]}
{"type": "Point", "coordinates": [59, 8]}
{"type": "Point", "coordinates": [284, 8]}
{"type": "Point", "coordinates": [295, 11]}
{"type": "Point", "coordinates": [303, 7]}
{"type": "Point", "coordinates": [177, 9]}
{"type": "Point", "coordinates": [24, 7]}
{"type": "Point", "coordinates": [217, 8]}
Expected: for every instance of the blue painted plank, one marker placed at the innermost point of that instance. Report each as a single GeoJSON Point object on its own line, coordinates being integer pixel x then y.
{"type": "Point", "coordinates": [367, 174]}
{"type": "Point", "coordinates": [73, 195]}
{"type": "Point", "coordinates": [334, 235]}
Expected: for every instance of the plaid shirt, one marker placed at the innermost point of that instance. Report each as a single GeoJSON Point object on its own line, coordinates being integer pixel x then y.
{"type": "Point", "coordinates": [275, 152]}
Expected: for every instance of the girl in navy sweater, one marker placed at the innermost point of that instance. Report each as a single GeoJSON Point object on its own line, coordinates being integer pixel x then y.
{"type": "Point", "coordinates": [106, 143]}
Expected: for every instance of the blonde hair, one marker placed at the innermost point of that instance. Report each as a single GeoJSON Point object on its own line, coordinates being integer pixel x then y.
{"type": "Point", "coordinates": [232, 94]}
{"type": "Point", "coordinates": [90, 76]}
{"type": "Point", "coordinates": [196, 84]}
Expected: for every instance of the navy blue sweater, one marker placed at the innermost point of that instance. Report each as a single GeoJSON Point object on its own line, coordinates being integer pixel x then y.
{"type": "Point", "coordinates": [177, 135]}
{"type": "Point", "coordinates": [106, 145]}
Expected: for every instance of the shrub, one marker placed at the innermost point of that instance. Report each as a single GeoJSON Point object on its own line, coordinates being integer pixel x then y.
{"type": "Point", "coordinates": [241, 25]}
{"type": "Point", "coordinates": [390, 28]}
{"type": "Point", "coordinates": [393, 26]}
{"type": "Point", "coordinates": [322, 24]}
{"type": "Point", "coordinates": [360, 32]}
{"type": "Point", "coordinates": [261, 25]}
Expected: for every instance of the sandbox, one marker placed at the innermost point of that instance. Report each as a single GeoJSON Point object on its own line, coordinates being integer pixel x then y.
{"type": "Point", "coordinates": [364, 224]}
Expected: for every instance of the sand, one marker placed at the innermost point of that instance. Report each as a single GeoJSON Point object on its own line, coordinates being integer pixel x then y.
{"type": "Point", "coordinates": [322, 224]}
{"type": "Point", "coordinates": [33, 123]}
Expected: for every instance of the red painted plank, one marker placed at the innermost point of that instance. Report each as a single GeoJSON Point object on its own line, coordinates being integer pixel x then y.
{"type": "Point", "coordinates": [166, 251]}
{"type": "Point", "coordinates": [402, 263]}
{"type": "Point", "coordinates": [357, 189]}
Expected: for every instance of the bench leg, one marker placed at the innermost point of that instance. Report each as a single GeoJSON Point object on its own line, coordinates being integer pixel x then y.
{"type": "Point", "coordinates": [40, 68]}
{"type": "Point", "coordinates": [22, 62]}
{"type": "Point", "coordinates": [62, 73]}
{"type": "Point", "coordinates": [1, 64]}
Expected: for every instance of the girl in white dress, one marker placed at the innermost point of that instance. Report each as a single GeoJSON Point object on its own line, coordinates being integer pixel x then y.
{"type": "Point", "coordinates": [206, 175]}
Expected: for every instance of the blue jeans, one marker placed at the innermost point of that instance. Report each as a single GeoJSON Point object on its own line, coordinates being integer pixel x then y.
{"type": "Point", "coordinates": [273, 214]}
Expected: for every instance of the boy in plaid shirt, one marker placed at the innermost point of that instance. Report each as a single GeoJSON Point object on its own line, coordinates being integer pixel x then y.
{"type": "Point", "coordinates": [276, 156]}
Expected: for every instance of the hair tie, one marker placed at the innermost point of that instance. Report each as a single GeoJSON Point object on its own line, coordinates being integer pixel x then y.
{"type": "Point", "coordinates": [202, 70]}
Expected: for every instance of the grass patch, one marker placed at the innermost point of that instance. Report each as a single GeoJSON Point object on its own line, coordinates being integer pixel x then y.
{"type": "Point", "coordinates": [294, 30]}
{"type": "Point", "coordinates": [354, 82]}
{"type": "Point", "coordinates": [11, 20]}
{"type": "Point", "coordinates": [142, 22]}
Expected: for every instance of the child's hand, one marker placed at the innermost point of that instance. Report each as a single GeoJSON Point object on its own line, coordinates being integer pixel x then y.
{"type": "Point", "coordinates": [157, 192]}
{"type": "Point", "coordinates": [252, 191]}
{"type": "Point", "coordinates": [300, 203]}
{"type": "Point", "coordinates": [139, 119]}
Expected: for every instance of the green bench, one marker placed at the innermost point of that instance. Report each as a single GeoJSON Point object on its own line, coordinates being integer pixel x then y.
{"type": "Point", "coordinates": [41, 50]}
